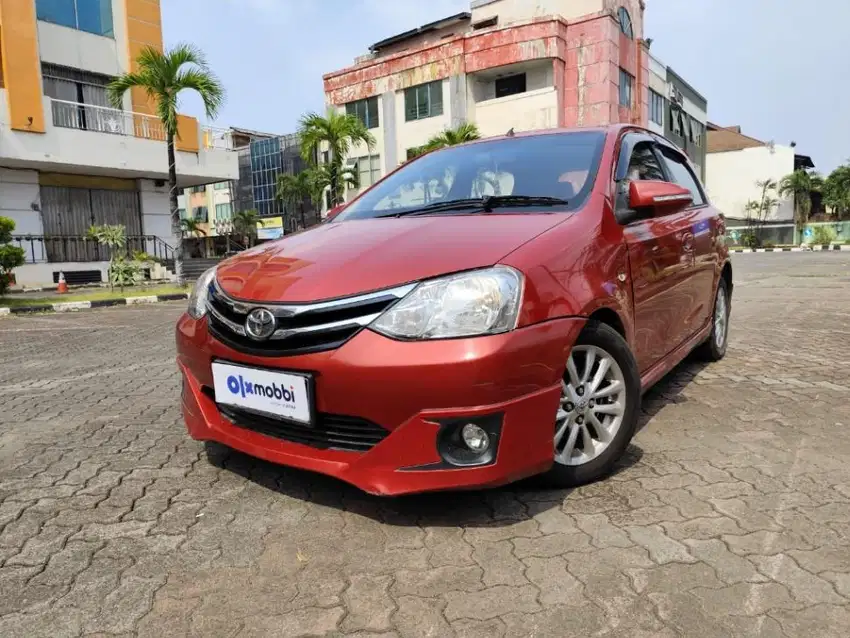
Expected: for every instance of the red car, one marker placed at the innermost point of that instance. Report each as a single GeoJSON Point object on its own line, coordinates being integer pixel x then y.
{"type": "Point", "coordinates": [484, 313]}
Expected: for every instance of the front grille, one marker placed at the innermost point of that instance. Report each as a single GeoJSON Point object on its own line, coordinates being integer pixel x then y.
{"type": "Point", "coordinates": [299, 328]}
{"type": "Point", "coordinates": [331, 431]}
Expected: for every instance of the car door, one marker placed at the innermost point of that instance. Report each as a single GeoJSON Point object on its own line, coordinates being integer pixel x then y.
{"type": "Point", "coordinates": [703, 221]}
{"type": "Point", "coordinates": [661, 263]}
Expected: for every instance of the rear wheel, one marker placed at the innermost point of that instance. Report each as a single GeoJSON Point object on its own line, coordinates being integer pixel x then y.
{"type": "Point", "coordinates": [714, 348]}
{"type": "Point", "coordinates": [597, 414]}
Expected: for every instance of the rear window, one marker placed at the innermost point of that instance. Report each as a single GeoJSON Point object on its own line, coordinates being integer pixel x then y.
{"type": "Point", "coordinates": [562, 165]}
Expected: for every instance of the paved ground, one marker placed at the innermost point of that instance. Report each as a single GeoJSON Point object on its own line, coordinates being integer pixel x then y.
{"type": "Point", "coordinates": [730, 517]}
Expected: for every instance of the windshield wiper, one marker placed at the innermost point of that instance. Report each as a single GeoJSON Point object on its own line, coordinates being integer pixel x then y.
{"type": "Point", "coordinates": [486, 204]}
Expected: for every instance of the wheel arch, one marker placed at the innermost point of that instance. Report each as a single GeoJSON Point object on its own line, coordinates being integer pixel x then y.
{"type": "Point", "coordinates": [610, 317]}
{"type": "Point", "coordinates": [726, 274]}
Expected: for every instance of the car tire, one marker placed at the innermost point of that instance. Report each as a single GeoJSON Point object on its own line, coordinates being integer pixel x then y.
{"type": "Point", "coordinates": [569, 468]}
{"type": "Point", "coordinates": [714, 348]}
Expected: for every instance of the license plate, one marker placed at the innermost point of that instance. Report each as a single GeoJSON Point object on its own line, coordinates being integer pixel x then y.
{"type": "Point", "coordinates": [282, 394]}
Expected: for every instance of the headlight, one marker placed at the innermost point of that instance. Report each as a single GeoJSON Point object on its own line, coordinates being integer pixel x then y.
{"type": "Point", "coordinates": [198, 298]}
{"type": "Point", "coordinates": [480, 302]}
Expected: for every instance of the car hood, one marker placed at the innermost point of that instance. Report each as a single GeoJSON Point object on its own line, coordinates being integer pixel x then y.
{"type": "Point", "coordinates": [347, 258]}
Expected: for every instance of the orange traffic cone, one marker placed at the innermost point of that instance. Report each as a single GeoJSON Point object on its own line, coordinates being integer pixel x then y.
{"type": "Point", "coordinates": [63, 287]}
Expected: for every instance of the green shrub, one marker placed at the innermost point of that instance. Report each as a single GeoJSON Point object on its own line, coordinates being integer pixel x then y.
{"type": "Point", "coordinates": [750, 240]}
{"type": "Point", "coordinates": [822, 235]}
{"type": "Point", "coordinates": [10, 256]}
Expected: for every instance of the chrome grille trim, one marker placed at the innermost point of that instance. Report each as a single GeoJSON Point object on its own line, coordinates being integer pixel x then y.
{"type": "Point", "coordinates": [285, 333]}
{"type": "Point", "coordinates": [294, 310]}
{"type": "Point", "coordinates": [300, 328]}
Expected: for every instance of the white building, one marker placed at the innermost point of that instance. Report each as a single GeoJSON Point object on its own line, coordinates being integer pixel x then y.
{"type": "Point", "coordinates": [736, 163]}
{"type": "Point", "coordinates": [68, 159]}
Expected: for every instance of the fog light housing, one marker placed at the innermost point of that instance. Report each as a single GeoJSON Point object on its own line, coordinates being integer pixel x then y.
{"type": "Point", "coordinates": [475, 438]}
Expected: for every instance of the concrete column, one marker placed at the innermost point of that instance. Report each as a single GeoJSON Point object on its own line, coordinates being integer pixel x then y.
{"type": "Point", "coordinates": [156, 216]}
{"type": "Point", "coordinates": [388, 124]}
{"type": "Point", "coordinates": [457, 99]}
{"type": "Point", "coordinates": [20, 201]}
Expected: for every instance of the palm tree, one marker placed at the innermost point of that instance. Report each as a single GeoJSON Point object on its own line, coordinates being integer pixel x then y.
{"type": "Point", "coordinates": [191, 227]}
{"type": "Point", "coordinates": [338, 132]}
{"type": "Point", "coordinates": [799, 185]}
{"type": "Point", "coordinates": [465, 132]}
{"type": "Point", "coordinates": [326, 176]}
{"type": "Point", "coordinates": [292, 190]}
{"type": "Point", "coordinates": [163, 76]}
{"type": "Point", "coordinates": [245, 224]}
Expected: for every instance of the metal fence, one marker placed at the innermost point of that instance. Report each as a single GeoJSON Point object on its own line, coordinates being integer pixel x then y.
{"type": "Point", "coordinates": [42, 248]}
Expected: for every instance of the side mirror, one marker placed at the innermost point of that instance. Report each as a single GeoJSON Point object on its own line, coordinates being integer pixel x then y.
{"type": "Point", "coordinates": [660, 197]}
{"type": "Point", "coordinates": [333, 212]}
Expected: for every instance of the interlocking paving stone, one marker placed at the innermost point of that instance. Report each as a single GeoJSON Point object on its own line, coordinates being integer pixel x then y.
{"type": "Point", "coordinates": [729, 515]}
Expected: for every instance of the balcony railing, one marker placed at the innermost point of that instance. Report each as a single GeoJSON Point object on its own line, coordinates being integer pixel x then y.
{"type": "Point", "coordinates": [102, 119]}
{"type": "Point", "coordinates": [87, 117]}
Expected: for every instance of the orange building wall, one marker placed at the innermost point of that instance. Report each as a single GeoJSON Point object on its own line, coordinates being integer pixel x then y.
{"type": "Point", "coordinates": [21, 65]}
{"type": "Point", "coordinates": [144, 29]}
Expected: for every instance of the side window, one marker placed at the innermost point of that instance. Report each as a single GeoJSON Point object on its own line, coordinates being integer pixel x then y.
{"type": "Point", "coordinates": [644, 165]}
{"type": "Point", "coordinates": [681, 174]}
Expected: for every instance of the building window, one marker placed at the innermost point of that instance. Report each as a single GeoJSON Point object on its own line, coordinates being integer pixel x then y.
{"type": "Point", "coordinates": [626, 23]}
{"type": "Point", "coordinates": [675, 121]}
{"type": "Point", "coordinates": [201, 214]}
{"type": "Point", "coordinates": [423, 101]}
{"type": "Point", "coordinates": [92, 16]}
{"type": "Point", "coordinates": [199, 189]}
{"type": "Point", "coordinates": [223, 211]}
{"type": "Point", "coordinates": [627, 81]}
{"type": "Point", "coordinates": [510, 85]}
{"type": "Point", "coordinates": [221, 186]}
{"type": "Point", "coordinates": [656, 107]}
{"type": "Point", "coordinates": [368, 169]}
{"type": "Point", "coordinates": [182, 213]}
{"type": "Point", "coordinates": [80, 100]}
{"type": "Point", "coordinates": [486, 23]}
{"type": "Point", "coordinates": [366, 111]}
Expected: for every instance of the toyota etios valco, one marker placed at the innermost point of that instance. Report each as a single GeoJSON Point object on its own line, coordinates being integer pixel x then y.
{"type": "Point", "coordinates": [484, 313]}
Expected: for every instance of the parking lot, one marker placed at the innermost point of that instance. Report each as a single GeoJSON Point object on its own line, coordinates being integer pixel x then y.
{"type": "Point", "coordinates": [729, 516]}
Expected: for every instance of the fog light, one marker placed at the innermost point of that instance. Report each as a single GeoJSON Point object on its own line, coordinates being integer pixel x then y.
{"type": "Point", "coordinates": [475, 438]}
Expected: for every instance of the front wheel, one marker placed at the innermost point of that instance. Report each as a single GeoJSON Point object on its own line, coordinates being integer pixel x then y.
{"type": "Point", "coordinates": [598, 411]}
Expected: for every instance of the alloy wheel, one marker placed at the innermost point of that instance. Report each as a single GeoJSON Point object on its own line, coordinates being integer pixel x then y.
{"type": "Point", "coordinates": [593, 402]}
{"type": "Point", "coordinates": [721, 318]}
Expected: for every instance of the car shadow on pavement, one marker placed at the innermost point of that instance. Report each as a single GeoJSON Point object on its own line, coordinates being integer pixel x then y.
{"type": "Point", "coordinates": [669, 389]}
{"type": "Point", "coordinates": [494, 507]}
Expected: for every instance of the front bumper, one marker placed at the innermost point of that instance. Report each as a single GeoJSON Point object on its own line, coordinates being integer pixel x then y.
{"type": "Point", "coordinates": [407, 388]}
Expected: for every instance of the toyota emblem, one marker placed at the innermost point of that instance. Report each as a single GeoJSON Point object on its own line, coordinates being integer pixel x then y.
{"type": "Point", "coordinates": [260, 324]}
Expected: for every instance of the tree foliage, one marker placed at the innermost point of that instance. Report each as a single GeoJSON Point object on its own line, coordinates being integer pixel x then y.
{"type": "Point", "coordinates": [836, 191]}
{"type": "Point", "coordinates": [465, 132]}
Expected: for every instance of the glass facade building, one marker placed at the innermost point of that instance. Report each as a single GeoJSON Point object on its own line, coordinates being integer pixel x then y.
{"type": "Point", "coordinates": [270, 158]}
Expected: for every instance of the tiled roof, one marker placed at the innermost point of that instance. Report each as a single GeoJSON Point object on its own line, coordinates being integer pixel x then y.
{"type": "Point", "coordinates": [729, 138]}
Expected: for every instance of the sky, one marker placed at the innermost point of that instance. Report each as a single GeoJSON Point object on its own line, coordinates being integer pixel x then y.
{"type": "Point", "coordinates": [777, 68]}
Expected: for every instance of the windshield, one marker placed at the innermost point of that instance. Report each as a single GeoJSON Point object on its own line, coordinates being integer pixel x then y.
{"type": "Point", "coordinates": [555, 165]}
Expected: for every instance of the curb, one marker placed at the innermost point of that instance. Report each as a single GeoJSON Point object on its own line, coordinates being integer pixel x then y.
{"type": "Point", "coordinates": [791, 249]}
{"type": "Point", "coordinates": [73, 306]}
